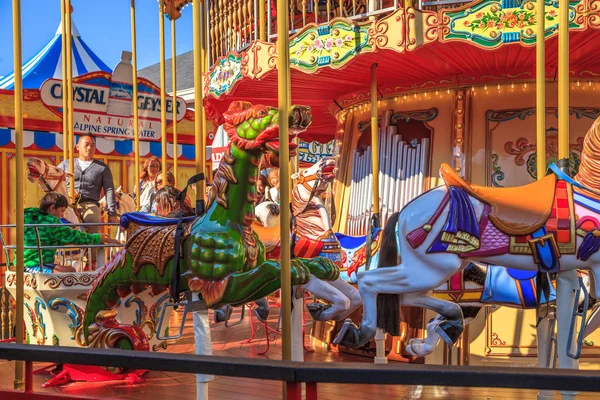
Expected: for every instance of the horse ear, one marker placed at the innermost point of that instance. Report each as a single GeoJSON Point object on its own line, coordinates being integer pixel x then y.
{"type": "Point", "coordinates": [295, 175]}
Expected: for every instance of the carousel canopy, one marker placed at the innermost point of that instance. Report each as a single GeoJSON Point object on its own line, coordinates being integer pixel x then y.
{"type": "Point", "coordinates": [47, 63]}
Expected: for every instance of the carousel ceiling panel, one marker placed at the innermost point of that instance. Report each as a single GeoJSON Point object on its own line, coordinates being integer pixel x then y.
{"type": "Point", "coordinates": [436, 65]}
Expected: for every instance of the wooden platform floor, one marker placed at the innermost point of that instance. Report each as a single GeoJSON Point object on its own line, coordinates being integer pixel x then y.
{"type": "Point", "coordinates": [228, 342]}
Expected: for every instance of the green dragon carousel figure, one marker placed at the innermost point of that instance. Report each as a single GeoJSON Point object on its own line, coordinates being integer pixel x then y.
{"type": "Point", "coordinates": [222, 257]}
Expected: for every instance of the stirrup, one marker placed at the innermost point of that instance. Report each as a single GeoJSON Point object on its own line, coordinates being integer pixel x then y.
{"type": "Point", "coordinates": [228, 325]}
{"type": "Point", "coordinates": [576, 314]}
{"type": "Point", "coordinates": [552, 346]}
{"type": "Point", "coordinates": [188, 306]}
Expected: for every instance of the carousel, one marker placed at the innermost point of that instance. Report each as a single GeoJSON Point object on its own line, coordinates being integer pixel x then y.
{"type": "Point", "coordinates": [453, 220]}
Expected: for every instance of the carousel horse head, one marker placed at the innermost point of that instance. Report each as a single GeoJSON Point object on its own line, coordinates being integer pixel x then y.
{"type": "Point", "coordinates": [314, 180]}
{"type": "Point", "coordinates": [46, 176]}
{"type": "Point", "coordinates": [125, 203]}
{"type": "Point", "coordinates": [255, 128]}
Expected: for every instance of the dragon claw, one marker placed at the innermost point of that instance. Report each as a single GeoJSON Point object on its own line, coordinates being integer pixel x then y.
{"type": "Point", "coordinates": [316, 310]}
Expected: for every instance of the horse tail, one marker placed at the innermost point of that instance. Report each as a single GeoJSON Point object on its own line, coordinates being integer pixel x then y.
{"type": "Point", "coordinates": [388, 309]}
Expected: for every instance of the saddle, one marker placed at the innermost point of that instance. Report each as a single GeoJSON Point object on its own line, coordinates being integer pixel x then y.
{"type": "Point", "coordinates": [270, 237]}
{"type": "Point", "coordinates": [513, 211]}
{"type": "Point", "coordinates": [152, 238]}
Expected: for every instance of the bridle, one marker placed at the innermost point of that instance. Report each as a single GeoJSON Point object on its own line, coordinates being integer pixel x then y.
{"type": "Point", "coordinates": [47, 176]}
{"type": "Point", "coordinates": [303, 180]}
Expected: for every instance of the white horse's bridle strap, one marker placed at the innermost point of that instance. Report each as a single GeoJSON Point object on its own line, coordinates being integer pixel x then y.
{"type": "Point", "coordinates": [303, 180]}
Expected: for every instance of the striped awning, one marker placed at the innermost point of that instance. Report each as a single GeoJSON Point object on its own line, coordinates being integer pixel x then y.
{"type": "Point", "coordinates": [47, 63]}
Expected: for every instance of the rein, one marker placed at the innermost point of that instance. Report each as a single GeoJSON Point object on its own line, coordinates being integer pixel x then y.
{"type": "Point", "coordinates": [59, 178]}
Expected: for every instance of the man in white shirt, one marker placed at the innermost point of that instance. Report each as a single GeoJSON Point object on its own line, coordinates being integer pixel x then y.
{"type": "Point", "coordinates": [91, 177]}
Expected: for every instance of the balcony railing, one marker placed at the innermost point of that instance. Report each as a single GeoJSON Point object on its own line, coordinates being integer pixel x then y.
{"type": "Point", "coordinates": [234, 24]}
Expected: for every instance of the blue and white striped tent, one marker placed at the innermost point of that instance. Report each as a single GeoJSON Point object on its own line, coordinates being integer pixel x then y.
{"type": "Point", "coordinates": [48, 62]}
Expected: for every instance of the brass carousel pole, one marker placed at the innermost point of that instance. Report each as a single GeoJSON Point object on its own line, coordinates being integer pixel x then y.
{"type": "Point", "coordinates": [174, 103]}
{"type": "Point", "coordinates": [19, 193]}
{"type": "Point", "coordinates": [163, 95]}
{"type": "Point", "coordinates": [563, 82]}
{"type": "Point", "coordinates": [540, 88]}
{"type": "Point", "coordinates": [69, 94]}
{"type": "Point", "coordinates": [567, 282]}
{"type": "Point", "coordinates": [262, 28]}
{"type": "Point", "coordinates": [283, 95]}
{"type": "Point", "coordinates": [136, 128]}
{"type": "Point", "coordinates": [64, 80]}
{"type": "Point", "coordinates": [380, 357]}
{"type": "Point", "coordinates": [200, 66]}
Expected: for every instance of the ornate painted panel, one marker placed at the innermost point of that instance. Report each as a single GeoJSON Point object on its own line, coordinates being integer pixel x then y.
{"type": "Point", "coordinates": [511, 161]}
{"type": "Point", "coordinates": [511, 147]}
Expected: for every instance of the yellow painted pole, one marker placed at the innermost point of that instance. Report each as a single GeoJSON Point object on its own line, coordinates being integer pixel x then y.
{"type": "Point", "coordinates": [20, 192]}
{"type": "Point", "coordinates": [69, 94]}
{"type": "Point", "coordinates": [540, 88]}
{"type": "Point", "coordinates": [283, 89]}
{"type": "Point", "coordinates": [262, 29]}
{"type": "Point", "coordinates": [163, 95]}
{"type": "Point", "coordinates": [200, 65]}
{"type": "Point", "coordinates": [374, 141]}
{"type": "Point", "coordinates": [174, 84]}
{"type": "Point", "coordinates": [563, 80]}
{"type": "Point", "coordinates": [64, 80]}
{"type": "Point", "coordinates": [136, 128]}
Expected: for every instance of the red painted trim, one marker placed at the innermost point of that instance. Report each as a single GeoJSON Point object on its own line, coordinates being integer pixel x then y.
{"type": "Point", "coordinates": [294, 391]}
{"type": "Point", "coordinates": [18, 395]}
{"type": "Point", "coordinates": [28, 376]}
{"type": "Point", "coordinates": [311, 391]}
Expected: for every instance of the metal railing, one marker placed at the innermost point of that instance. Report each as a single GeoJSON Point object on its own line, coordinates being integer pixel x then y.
{"type": "Point", "coordinates": [312, 373]}
{"type": "Point", "coordinates": [39, 247]}
{"type": "Point", "coordinates": [232, 25]}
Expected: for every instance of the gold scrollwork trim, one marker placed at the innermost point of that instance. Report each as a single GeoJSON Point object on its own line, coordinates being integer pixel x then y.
{"type": "Point", "coordinates": [69, 280]}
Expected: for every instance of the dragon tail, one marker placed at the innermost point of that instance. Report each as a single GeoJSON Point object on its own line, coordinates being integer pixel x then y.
{"type": "Point", "coordinates": [118, 280]}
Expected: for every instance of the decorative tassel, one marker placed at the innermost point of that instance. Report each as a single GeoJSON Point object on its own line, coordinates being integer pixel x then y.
{"type": "Point", "coordinates": [418, 236]}
{"type": "Point", "coordinates": [590, 245]}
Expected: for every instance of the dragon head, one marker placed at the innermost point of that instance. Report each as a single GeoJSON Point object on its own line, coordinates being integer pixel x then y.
{"type": "Point", "coordinates": [172, 8]}
{"type": "Point", "coordinates": [256, 128]}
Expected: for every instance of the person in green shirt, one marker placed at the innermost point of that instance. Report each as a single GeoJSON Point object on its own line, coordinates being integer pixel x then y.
{"type": "Point", "coordinates": [51, 210]}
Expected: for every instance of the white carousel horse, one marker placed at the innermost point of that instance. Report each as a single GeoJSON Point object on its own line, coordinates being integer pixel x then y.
{"type": "Point", "coordinates": [313, 236]}
{"type": "Point", "coordinates": [53, 179]}
{"type": "Point", "coordinates": [440, 232]}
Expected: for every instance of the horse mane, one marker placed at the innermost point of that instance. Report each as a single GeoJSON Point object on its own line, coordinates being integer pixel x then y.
{"type": "Point", "coordinates": [304, 213]}
{"type": "Point", "coordinates": [589, 168]}
{"type": "Point", "coordinates": [223, 177]}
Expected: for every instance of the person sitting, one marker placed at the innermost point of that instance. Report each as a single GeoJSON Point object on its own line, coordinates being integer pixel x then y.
{"type": "Point", "coordinates": [158, 185]}
{"type": "Point", "coordinates": [273, 192]}
{"type": "Point", "coordinates": [51, 210]}
{"type": "Point", "coordinates": [262, 186]}
{"type": "Point", "coordinates": [168, 206]}
{"type": "Point", "coordinates": [150, 173]}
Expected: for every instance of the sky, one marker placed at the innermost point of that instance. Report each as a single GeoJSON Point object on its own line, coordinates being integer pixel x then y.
{"type": "Point", "coordinates": [105, 26]}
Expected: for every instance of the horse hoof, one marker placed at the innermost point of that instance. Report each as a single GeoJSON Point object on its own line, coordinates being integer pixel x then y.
{"type": "Point", "coordinates": [350, 336]}
{"type": "Point", "coordinates": [261, 312]}
{"type": "Point", "coordinates": [316, 310]}
{"type": "Point", "coordinates": [450, 330]}
{"type": "Point", "coordinates": [222, 314]}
